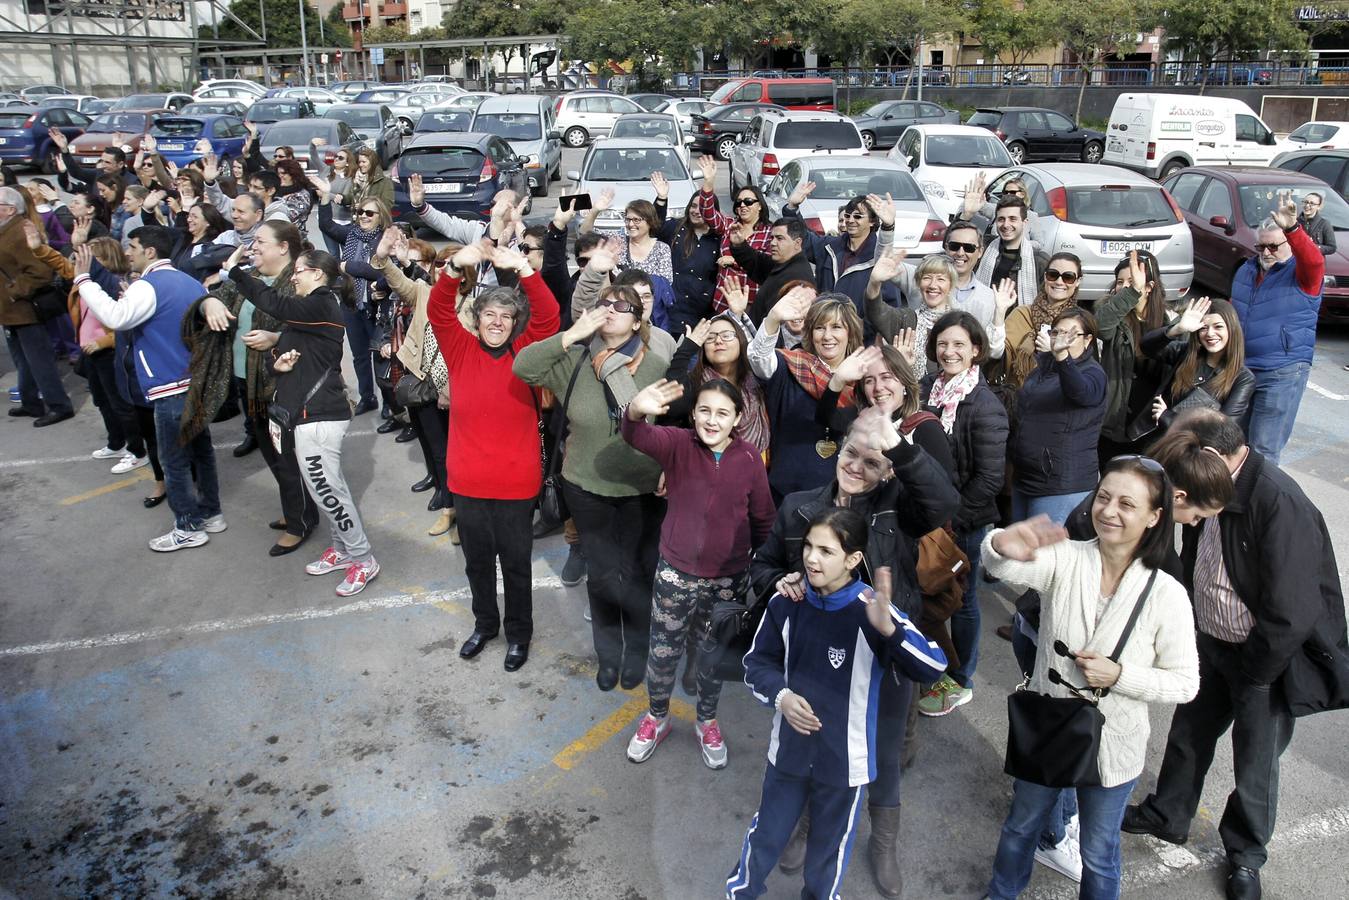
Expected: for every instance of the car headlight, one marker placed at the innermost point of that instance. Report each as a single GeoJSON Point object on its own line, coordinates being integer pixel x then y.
{"type": "Point", "coordinates": [933, 189]}
{"type": "Point", "coordinates": [1328, 281]}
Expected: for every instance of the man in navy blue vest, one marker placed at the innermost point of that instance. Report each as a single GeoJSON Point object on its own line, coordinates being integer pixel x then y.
{"type": "Point", "coordinates": [1277, 296]}
{"type": "Point", "coordinates": [151, 310]}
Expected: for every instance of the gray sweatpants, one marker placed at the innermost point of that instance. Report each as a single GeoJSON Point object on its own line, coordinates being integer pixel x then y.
{"type": "Point", "coordinates": [318, 447]}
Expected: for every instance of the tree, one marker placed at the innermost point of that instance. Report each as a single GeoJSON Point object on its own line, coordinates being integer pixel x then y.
{"type": "Point", "coordinates": [601, 31]}
{"type": "Point", "coordinates": [283, 24]}
{"type": "Point", "coordinates": [1015, 29]}
{"type": "Point", "coordinates": [899, 27]}
{"type": "Point", "coordinates": [1093, 29]}
{"type": "Point", "coordinates": [336, 31]}
{"type": "Point", "coordinates": [1208, 30]}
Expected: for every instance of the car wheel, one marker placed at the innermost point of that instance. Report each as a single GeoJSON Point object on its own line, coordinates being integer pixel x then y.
{"type": "Point", "coordinates": [869, 140]}
{"type": "Point", "coordinates": [1092, 152]}
{"type": "Point", "coordinates": [541, 190]}
{"type": "Point", "coordinates": [725, 144]}
{"type": "Point", "coordinates": [576, 136]}
{"type": "Point", "coordinates": [557, 173]}
{"type": "Point", "coordinates": [1170, 169]}
{"type": "Point", "coordinates": [1017, 151]}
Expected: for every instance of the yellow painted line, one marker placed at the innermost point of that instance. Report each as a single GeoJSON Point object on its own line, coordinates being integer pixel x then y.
{"type": "Point", "coordinates": [141, 475]}
{"type": "Point", "coordinates": [618, 720]}
{"type": "Point", "coordinates": [452, 608]}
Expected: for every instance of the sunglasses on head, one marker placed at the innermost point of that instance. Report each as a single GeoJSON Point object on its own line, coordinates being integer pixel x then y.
{"type": "Point", "coordinates": [746, 201]}
{"type": "Point", "coordinates": [1147, 462]}
{"type": "Point", "coordinates": [620, 306]}
{"type": "Point", "coordinates": [1091, 695]}
{"type": "Point", "coordinates": [1065, 277]}
{"type": "Point", "coordinates": [961, 245]}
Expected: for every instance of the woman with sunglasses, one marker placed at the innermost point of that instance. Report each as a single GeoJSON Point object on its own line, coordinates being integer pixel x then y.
{"type": "Point", "coordinates": [338, 176]}
{"type": "Point", "coordinates": [1207, 368]}
{"type": "Point", "coordinates": [714, 349]}
{"type": "Point", "coordinates": [750, 213]}
{"type": "Point", "coordinates": [609, 487]}
{"type": "Point", "coordinates": [975, 423]}
{"type": "Point", "coordinates": [1026, 323]}
{"type": "Point", "coordinates": [1089, 591]}
{"type": "Point", "coordinates": [694, 249]}
{"type": "Point", "coordinates": [1136, 307]}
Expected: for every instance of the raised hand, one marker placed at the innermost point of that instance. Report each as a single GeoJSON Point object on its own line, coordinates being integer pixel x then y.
{"type": "Point", "coordinates": [604, 258]}
{"type": "Point", "coordinates": [508, 258]}
{"type": "Point", "coordinates": [1158, 408]}
{"type": "Point", "coordinates": [1138, 273]}
{"type": "Point", "coordinates": [975, 195]}
{"type": "Point", "coordinates": [884, 208]}
{"type": "Point", "coordinates": [1022, 540]}
{"type": "Point", "coordinates": [286, 361]}
{"type": "Point", "coordinates": [604, 200]}
{"type": "Point", "coordinates": [708, 165]}
{"type": "Point", "coordinates": [84, 259]}
{"type": "Point", "coordinates": [470, 256]}
{"type": "Point", "coordinates": [660, 184]}
{"type": "Point", "coordinates": [31, 235]}
{"type": "Point", "coordinates": [155, 198]}
{"type": "Point", "coordinates": [318, 141]}
{"type": "Point", "coordinates": [887, 265]}
{"type": "Point", "coordinates": [792, 305]}
{"type": "Point", "coordinates": [803, 190]}
{"type": "Point", "coordinates": [698, 333]}
{"type": "Point", "coordinates": [563, 217]}
{"type": "Point", "coordinates": [584, 326]}
{"type": "Point", "coordinates": [387, 242]}
{"type": "Point", "coordinates": [878, 602]}
{"type": "Point", "coordinates": [854, 368]}
{"type": "Point", "coordinates": [1192, 318]}
{"type": "Point", "coordinates": [60, 140]}
{"type": "Point", "coordinates": [1043, 344]}
{"type": "Point", "coordinates": [655, 399]}
{"type": "Point", "coordinates": [1285, 214]}
{"type": "Point", "coordinates": [237, 258]}
{"type": "Point", "coordinates": [210, 167]}
{"type": "Point", "coordinates": [1005, 295]}
{"type": "Point", "coordinates": [906, 342]}
{"type": "Point", "coordinates": [736, 294]}
{"type": "Point", "coordinates": [877, 429]}
{"type": "Point", "coordinates": [80, 233]}
{"type": "Point", "coordinates": [739, 233]}
{"type": "Point", "coordinates": [149, 144]}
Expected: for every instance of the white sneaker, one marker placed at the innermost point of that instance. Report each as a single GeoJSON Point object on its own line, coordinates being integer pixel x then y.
{"type": "Point", "coordinates": [1066, 858]}
{"type": "Point", "coordinates": [711, 743]}
{"type": "Point", "coordinates": [215, 524]}
{"type": "Point", "coordinates": [331, 560]}
{"type": "Point", "coordinates": [358, 576]}
{"type": "Point", "coordinates": [107, 453]}
{"type": "Point", "coordinates": [1074, 828]}
{"type": "Point", "coordinates": [650, 732]}
{"type": "Point", "coordinates": [177, 539]}
{"type": "Point", "coordinates": [129, 463]}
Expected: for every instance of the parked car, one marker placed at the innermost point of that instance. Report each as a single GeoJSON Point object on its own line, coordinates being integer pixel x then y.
{"type": "Point", "coordinates": [1224, 207]}
{"type": "Point", "coordinates": [94, 107]}
{"type": "Point", "coordinates": [81, 102]}
{"type": "Point", "coordinates": [171, 101]}
{"type": "Point", "coordinates": [179, 137]}
{"type": "Point", "coordinates": [278, 109]}
{"type": "Point", "coordinates": [918, 229]}
{"type": "Point", "coordinates": [1100, 213]}
{"type": "Point", "coordinates": [775, 137]}
{"type": "Point", "coordinates": [446, 119]}
{"type": "Point", "coordinates": [460, 172]}
{"type": "Point", "coordinates": [653, 125]}
{"type": "Point", "coordinates": [683, 111]}
{"type": "Point", "coordinates": [943, 159]}
{"type": "Point", "coordinates": [24, 139]}
{"type": "Point", "coordinates": [349, 89]}
{"type": "Point", "coordinates": [1033, 134]}
{"type": "Point", "coordinates": [1160, 134]}
{"type": "Point", "coordinates": [382, 94]}
{"type": "Point", "coordinates": [16, 103]}
{"type": "Point", "coordinates": [298, 134]}
{"type": "Point", "coordinates": [1331, 166]}
{"type": "Point", "coordinates": [207, 89]}
{"type": "Point", "coordinates": [215, 108]}
{"type": "Point", "coordinates": [375, 125]}
{"type": "Point", "coordinates": [932, 76]}
{"type": "Point", "coordinates": [445, 88]}
{"type": "Point", "coordinates": [1314, 136]}
{"type": "Point", "coordinates": [322, 98]}
{"type": "Point", "coordinates": [38, 91]}
{"type": "Point", "coordinates": [225, 93]}
{"type": "Point", "coordinates": [717, 130]}
{"type": "Point", "coordinates": [583, 116]}
{"type": "Point", "coordinates": [409, 107]}
{"type": "Point", "coordinates": [625, 165]}
{"type": "Point", "coordinates": [883, 123]}
{"type": "Point", "coordinates": [468, 100]}
{"type": "Point", "coordinates": [114, 129]}
{"type": "Point", "coordinates": [791, 93]}
{"type": "Point", "coordinates": [525, 122]}
{"type": "Point", "coordinates": [650, 102]}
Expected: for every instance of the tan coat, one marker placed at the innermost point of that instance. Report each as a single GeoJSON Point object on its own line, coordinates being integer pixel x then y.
{"type": "Point", "coordinates": [417, 293]}
{"type": "Point", "coordinates": [21, 273]}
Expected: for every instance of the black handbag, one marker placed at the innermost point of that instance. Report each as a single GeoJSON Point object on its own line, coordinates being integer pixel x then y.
{"type": "Point", "coordinates": [281, 424]}
{"type": "Point", "coordinates": [733, 624]}
{"type": "Point", "coordinates": [413, 392]}
{"type": "Point", "coordinates": [49, 301]}
{"type": "Point", "coordinates": [1056, 741]}
{"type": "Point", "coordinates": [552, 505]}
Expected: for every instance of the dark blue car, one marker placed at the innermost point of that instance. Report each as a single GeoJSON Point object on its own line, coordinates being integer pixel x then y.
{"type": "Point", "coordinates": [24, 139]}
{"type": "Point", "coordinates": [178, 137]}
{"type": "Point", "coordinates": [460, 172]}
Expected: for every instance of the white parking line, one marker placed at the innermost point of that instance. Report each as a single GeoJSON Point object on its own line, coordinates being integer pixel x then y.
{"type": "Point", "coordinates": [61, 460]}
{"type": "Point", "coordinates": [376, 604]}
{"type": "Point", "coordinates": [1329, 395]}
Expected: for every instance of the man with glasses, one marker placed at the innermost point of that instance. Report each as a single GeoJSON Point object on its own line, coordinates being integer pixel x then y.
{"type": "Point", "coordinates": [1277, 297]}
{"type": "Point", "coordinates": [112, 161]}
{"type": "Point", "coordinates": [1318, 229]}
{"type": "Point", "coordinates": [785, 262]}
{"type": "Point", "coordinates": [22, 276]}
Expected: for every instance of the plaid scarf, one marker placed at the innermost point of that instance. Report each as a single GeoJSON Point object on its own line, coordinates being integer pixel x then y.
{"type": "Point", "coordinates": [947, 392]}
{"type": "Point", "coordinates": [1041, 313]}
{"type": "Point", "coordinates": [813, 374]}
{"type": "Point", "coordinates": [615, 366]}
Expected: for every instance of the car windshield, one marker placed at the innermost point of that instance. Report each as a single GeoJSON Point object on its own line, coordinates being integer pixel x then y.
{"type": "Point", "coordinates": [844, 183]}
{"type": "Point", "coordinates": [12, 120]}
{"type": "Point", "coordinates": [634, 164]}
{"type": "Point", "coordinates": [646, 128]}
{"type": "Point", "coordinates": [445, 120]}
{"type": "Point", "coordinates": [817, 136]}
{"type": "Point", "coordinates": [1132, 207]}
{"type": "Point", "coordinates": [141, 101]}
{"type": "Point", "coordinates": [1259, 200]}
{"type": "Point", "coordinates": [1313, 133]}
{"type": "Point", "coordinates": [297, 133]}
{"type": "Point", "coordinates": [356, 118]}
{"type": "Point", "coordinates": [176, 128]}
{"type": "Point", "coordinates": [110, 122]}
{"type": "Point", "coordinates": [274, 111]}
{"type": "Point", "coordinates": [442, 161]}
{"type": "Point", "coordinates": [511, 126]}
{"type": "Point", "coordinates": [985, 118]}
{"type": "Point", "coordinates": [966, 150]}
{"type": "Point", "coordinates": [724, 91]}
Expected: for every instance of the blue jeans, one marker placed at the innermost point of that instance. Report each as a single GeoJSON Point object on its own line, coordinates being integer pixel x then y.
{"type": "Point", "coordinates": [31, 349]}
{"type": "Point", "coordinates": [1278, 392]}
{"type": "Point", "coordinates": [1102, 814]}
{"type": "Point", "coordinates": [360, 331]}
{"type": "Point", "coordinates": [191, 506]}
{"type": "Point", "coordinates": [1057, 506]}
{"type": "Point", "coordinates": [965, 621]}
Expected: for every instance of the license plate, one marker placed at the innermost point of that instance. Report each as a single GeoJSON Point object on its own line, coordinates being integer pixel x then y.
{"type": "Point", "coordinates": [1117, 248]}
{"type": "Point", "coordinates": [172, 146]}
{"type": "Point", "coordinates": [444, 187]}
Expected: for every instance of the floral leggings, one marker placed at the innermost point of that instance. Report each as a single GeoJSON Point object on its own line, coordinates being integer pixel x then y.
{"type": "Point", "coordinates": [682, 603]}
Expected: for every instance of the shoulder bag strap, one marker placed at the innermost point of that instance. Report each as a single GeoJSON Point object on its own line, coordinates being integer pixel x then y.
{"type": "Point", "coordinates": [312, 391]}
{"type": "Point", "coordinates": [553, 458]}
{"type": "Point", "coordinates": [1133, 617]}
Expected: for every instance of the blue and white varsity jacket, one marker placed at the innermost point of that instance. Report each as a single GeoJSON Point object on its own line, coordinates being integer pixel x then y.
{"type": "Point", "coordinates": [825, 650]}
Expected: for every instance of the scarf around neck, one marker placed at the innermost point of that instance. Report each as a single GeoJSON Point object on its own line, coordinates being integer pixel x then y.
{"type": "Point", "coordinates": [1041, 312]}
{"type": "Point", "coordinates": [948, 392]}
{"type": "Point", "coordinates": [753, 427]}
{"type": "Point", "coordinates": [927, 317]}
{"type": "Point", "coordinates": [358, 247]}
{"type": "Point", "coordinates": [615, 366]}
{"type": "Point", "coordinates": [813, 374]}
{"type": "Point", "coordinates": [1027, 274]}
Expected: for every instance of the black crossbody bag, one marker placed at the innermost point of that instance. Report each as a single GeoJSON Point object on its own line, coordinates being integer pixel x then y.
{"type": "Point", "coordinates": [280, 423]}
{"type": "Point", "coordinates": [1056, 741]}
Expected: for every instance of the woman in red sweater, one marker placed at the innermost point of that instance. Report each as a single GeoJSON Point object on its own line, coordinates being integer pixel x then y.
{"type": "Point", "coordinates": [492, 454]}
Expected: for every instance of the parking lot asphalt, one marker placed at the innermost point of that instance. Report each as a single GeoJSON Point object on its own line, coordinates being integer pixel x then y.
{"type": "Point", "coordinates": [216, 723]}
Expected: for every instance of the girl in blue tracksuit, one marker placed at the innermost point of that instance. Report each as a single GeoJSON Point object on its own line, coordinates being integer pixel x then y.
{"type": "Point", "coordinates": [819, 662]}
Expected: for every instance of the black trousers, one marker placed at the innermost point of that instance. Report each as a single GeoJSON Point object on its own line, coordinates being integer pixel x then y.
{"type": "Point", "coordinates": [498, 529]}
{"type": "Point", "coordinates": [298, 509]}
{"type": "Point", "coordinates": [620, 537]}
{"type": "Point", "coordinates": [251, 429]}
{"type": "Point", "coordinates": [431, 424]}
{"type": "Point", "coordinates": [1261, 727]}
{"type": "Point", "coordinates": [145, 424]}
{"type": "Point", "coordinates": [118, 418]}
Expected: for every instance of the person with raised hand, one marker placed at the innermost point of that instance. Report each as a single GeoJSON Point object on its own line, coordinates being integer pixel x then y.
{"type": "Point", "coordinates": [717, 349]}
{"type": "Point", "coordinates": [694, 249]}
{"type": "Point", "coordinates": [784, 263]}
{"type": "Point", "coordinates": [1031, 320]}
{"type": "Point", "coordinates": [596, 276]}
{"type": "Point", "coordinates": [748, 207]}
{"type": "Point", "coordinates": [1205, 351]}
{"type": "Point", "coordinates": [704, 558]}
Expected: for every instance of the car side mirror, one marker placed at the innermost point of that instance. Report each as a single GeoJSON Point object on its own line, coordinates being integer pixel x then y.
{"type": "Point", "coordinates": [1221, 222]}
{"type": "Point", "coordinates": [888, 116]}
{"type": "Point", "coordinates": [696, 175]}
{"type": "Point", "coordinates": [554, 135]}
{"type": "Point", "coordinates": [573, 175]}
{"type": "Point", "coordinates": [689, 140]}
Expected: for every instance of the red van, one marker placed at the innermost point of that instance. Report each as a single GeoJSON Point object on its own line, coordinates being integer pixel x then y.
{"type": "Point", "coordinates": [793, 93]}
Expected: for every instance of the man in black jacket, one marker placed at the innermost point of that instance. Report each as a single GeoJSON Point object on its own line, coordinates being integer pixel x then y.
{"type": "Point", "coordinates": [1268, 607]}
{"type": "Point", "coordinates": [112, 161]}
{"type": "Point", "coordinates": [771, 271]}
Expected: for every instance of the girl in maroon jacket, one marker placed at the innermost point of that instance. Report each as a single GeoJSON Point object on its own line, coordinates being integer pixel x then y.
{"type": "Point", "coordinates": [720, 509]}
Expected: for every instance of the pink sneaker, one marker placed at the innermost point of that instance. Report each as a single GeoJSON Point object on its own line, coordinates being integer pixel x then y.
{"type": "Point", "coordinates": [650, 732]}
{"type": "Point", "coordinates": [331, 560]}
{"type": "Point", "coordinates": [358, 576]}
{"type": "Point", "coordinates": [713, 747]}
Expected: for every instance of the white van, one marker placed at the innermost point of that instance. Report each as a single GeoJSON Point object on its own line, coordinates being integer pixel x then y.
{"type": "Point", "coordinates": [1160, 134]}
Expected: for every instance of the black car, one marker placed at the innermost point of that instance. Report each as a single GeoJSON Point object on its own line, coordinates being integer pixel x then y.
{"type": "Point", "coordinates": [1331, 166]}
{"type": "Point", "coordinates": [1033, 134]}
{"type": "Point", "coordinates": [375, 124]}
{"type": "Point", "coordinates": [883, 123]}
{"type": "Point", "coordinates": [278, 109]}
{"type": "Point", "coordinates": [461, 173]}
{"type": "Point", "coordinates": [718, 130]}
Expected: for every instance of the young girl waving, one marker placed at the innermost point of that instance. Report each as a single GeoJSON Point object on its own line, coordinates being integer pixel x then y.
{"type": "Point", "coordinates": [820, 663]}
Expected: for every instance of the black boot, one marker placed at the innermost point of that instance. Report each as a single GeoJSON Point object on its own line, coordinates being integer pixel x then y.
{"type": "Point", "coordinates": [793, 858]}
{"type": "Point", "coordinates": [881, 851]}
{"type": "Point", "coordinates": [439, 500]}
{"type": "Point", "coordinates": [424, 485]}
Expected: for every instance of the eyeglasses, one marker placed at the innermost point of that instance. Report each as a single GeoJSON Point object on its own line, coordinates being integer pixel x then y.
{"type": "Point", "coordinates": [147, 166]}
{"type": "Point", "coordinates": [1091, 695]}
{"type": "Point", "coordinates": [620, 306]}
{"type": "Point", "coordinates": [299, 270]}
{"type": "Point", "coordinates": [1147, 462]}
{"type": "Point", "coordinates": [1070, 335]}
{"type": "Point", "coordinates": [530, 248]}
{"type": "Point", "coordinates": [1013, 192]}
{"type": "Point", "coordinates": [1065, 277]}
{"type": "Point", "coordinates": [746, 201]}
{"type": "Point", "coordinates": [854, 216]}
{"type": "Point", "coordinates": [633, 220]}
{"type": "Point", "coordinates": [953, 246]}
{"type": "Point", "coordinates": [721, 337]}
{"type": "Point", "coordinates": [367, 212]}
{"type": "Point", "coordinates": [1269, 248]}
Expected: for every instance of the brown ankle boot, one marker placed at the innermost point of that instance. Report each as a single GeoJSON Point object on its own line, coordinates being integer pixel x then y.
{"type": "Point", "coordinates": [881, 851]}
{"type": "Point", "coordinates": [443, 523]}
{"type": "Point", "coordinates": [793, 858]}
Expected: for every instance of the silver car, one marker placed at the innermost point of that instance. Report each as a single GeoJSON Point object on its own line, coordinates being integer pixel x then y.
{"type": "Point", "coordinates": [625, 165]}
{"type": "Point", "coordinates": [837, 180]}
{"type": "Point", "coordinates": [683, 110]}
{"type": "Point", "coordinates": [1100, 213]}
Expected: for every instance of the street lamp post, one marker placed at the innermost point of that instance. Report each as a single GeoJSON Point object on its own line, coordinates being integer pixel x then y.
{"type": "Point", "coordinates": [304, 46]}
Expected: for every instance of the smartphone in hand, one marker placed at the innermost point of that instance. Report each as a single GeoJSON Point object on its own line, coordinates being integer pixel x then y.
{"type": "Point", "coordinates": [577, 202]}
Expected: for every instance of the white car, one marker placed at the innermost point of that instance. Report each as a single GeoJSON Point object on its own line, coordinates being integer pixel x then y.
{"type": "Point", "coordinates": [230, 89]}
{"type": "Point", "coordinates": [583, 116]}
{"type": "Point", "coordinates": [943, 159]}
{"type": "Point", "coordinates": [683, 110]}
{"type": "Point", "coordinates": [1315, 136]}
{"type": "Point", "coordinates": [626, 166]}
{"type": "Point", "coordinates": [444, 88]}
{"type": "Point", "coordinates": [776, 137]}
{"type": "Point", "coordinates": [409, 107]}
{"type": "Point", "coordinates": [468, 100]}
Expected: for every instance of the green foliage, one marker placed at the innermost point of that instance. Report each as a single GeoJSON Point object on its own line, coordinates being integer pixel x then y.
{"type": "Point", "coordinates": [603, 30]}
{"type": "Point", "coordinates": [1014, 31]}
{"type": "Point", "coordinates": [385, 34]}
{"type": "Point", "coordinates": [1225, 29]}
{"type": "Point", "coordinates": [283, 24]}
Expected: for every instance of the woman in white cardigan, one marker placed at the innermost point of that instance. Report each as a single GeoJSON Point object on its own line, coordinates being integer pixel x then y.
{"type": "Point", "coordinates": [1088, 590]}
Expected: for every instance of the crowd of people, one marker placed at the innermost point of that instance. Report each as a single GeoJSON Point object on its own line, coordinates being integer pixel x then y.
{"type": "Point", "coordinates": [759, 442]}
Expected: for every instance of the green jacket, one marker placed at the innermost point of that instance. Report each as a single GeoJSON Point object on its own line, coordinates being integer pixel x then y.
{"type": "Point", "coordinates": [597, 459]}
{"type": "Point", "coordinates": [1131, 382]}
